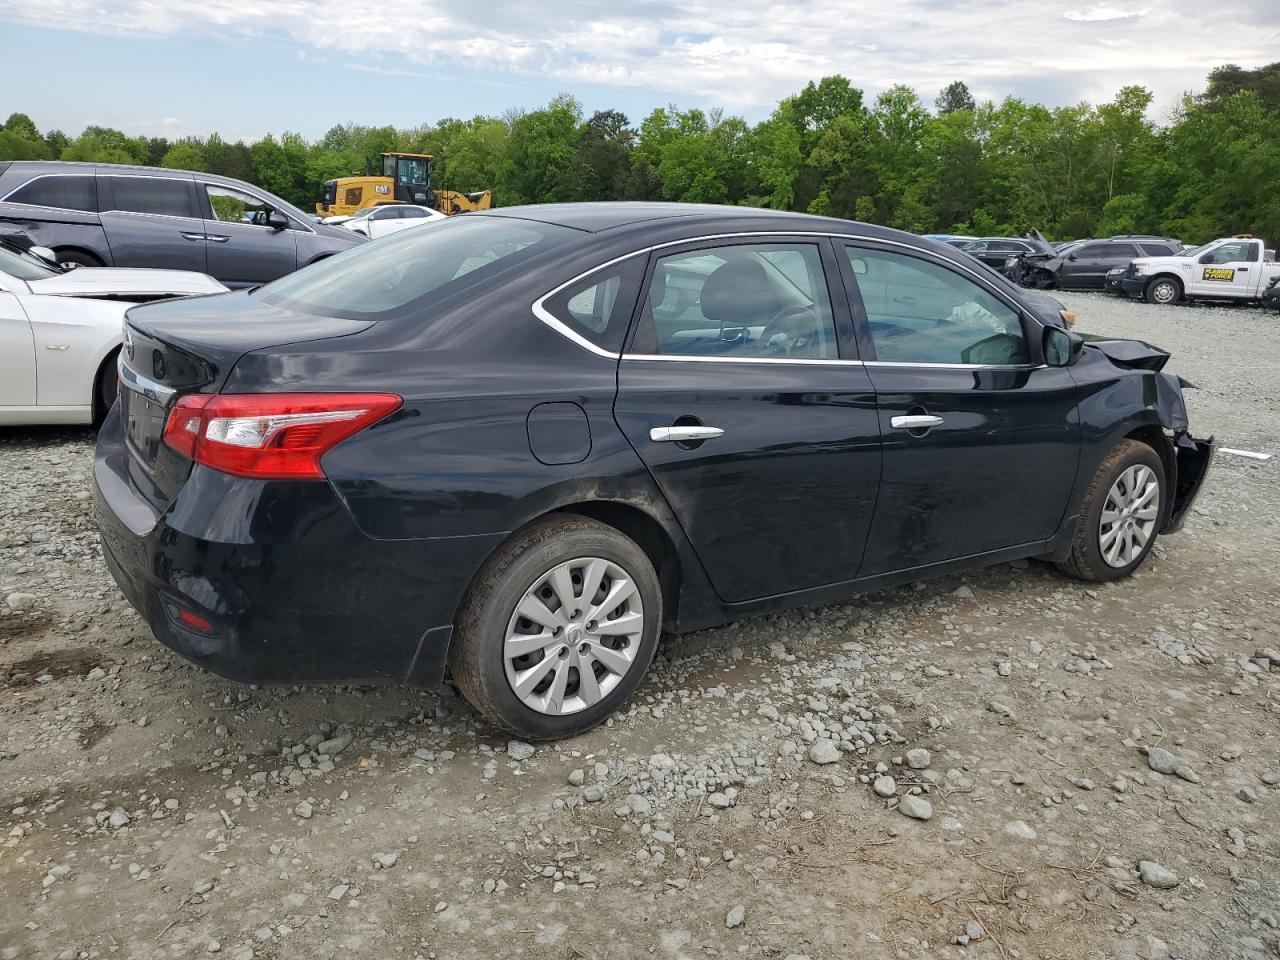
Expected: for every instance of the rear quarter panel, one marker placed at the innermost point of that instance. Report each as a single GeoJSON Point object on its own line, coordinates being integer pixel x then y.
{"type": "Point", "coordinates": [56, 229]}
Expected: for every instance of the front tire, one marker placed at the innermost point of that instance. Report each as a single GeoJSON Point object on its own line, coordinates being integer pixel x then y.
{"type": "Point", "coordinates": [1121, 514]}
{"type": "Point", "coordinates": [106, 387]}
{"type": "Point", "coordinates": [1164, 291]}
{"type": "Point", "coordinates": [558, 628]}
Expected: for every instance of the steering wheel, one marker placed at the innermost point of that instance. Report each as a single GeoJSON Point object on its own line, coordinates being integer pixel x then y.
{"type": "Point", "coordinates": [791, 328]}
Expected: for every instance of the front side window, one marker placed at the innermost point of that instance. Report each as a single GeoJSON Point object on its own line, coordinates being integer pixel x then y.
{"type": "Point", "coordinates": [599, 307]}
{"type": "Point", "coordinates": [1240, 250]}
{"type": "Point", "coordinates": [153, 195]}
{"type": "Point", "coordinates": [922, 312]}
{"type": "Point", "coordinates": [59, 192]}
{"type": "Point", "coordinates": [411, 270]}
{"type": "Point", "coordinates": [235, 206]}
{"type": "Point", "coordinates": [766, 300]}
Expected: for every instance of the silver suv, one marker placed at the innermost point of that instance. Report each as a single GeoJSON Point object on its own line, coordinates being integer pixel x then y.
{"type": "Point", "coordinates": [122, 216]}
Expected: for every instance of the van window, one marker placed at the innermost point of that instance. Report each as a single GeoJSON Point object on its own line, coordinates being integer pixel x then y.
{"type": "Point", "coordinates": [157, 196]}
{"type": "Point", "coordinates": [58, 191]}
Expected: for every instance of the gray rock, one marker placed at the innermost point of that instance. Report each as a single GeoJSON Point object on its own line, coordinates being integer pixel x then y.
{"type": "Point", "coordinates": [577, 777]}
{"type": "Point", "coordinates": [340, 891]}
{"type": "Point", "coordinates": [1156, 875]}
{"type": "Point", "coordinates": [884, 786]}
{"type": "Point", "coordinates": [201, 887]}
{"type": "Point", "coordinates": [386, 860]}
{"type": "Point", "coordinates": [974, 930]}
{"type": "Point", "coordinates": [1247, 794]}
{"type": "Point", "coordinates": [519, 750]}
{"type": "Point", "coordinates": [303, 809]}
{"type": "Point", "coordinates": [824, 751]}
{"type": "Point", "coordinates": [334, 745]}
{"type": "Point", "coordinates": [119, 818]}
{"type": "Point", "coordinates": [1020, 829]}
{"type": "Point", "coordinates": [20, 601]}
{"type": "Point", "coordinates": [917, 808]}
{"type": "Point", "coordinates": [919, 758]}
{"type": "Point", "coordinates": [1161, 760]}
{"type": "Point", "coordinates": [736, 916]}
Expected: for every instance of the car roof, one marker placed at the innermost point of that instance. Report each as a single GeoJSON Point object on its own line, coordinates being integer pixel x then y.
{"type": "Point", "coordinates": [610, 215]}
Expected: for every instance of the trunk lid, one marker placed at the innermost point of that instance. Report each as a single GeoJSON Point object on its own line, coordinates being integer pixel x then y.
{"type": "Point", "coordinates": [190, 346]}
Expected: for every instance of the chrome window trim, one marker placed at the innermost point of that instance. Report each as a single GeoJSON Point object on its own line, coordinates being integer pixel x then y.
{"type": "Point", "coordinates": [688, 358]}
{"type": "Point", "coordinates": [541, 312]}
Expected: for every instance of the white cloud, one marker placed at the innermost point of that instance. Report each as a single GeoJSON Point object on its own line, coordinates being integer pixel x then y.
{"type": "Point", "coordinates": [745, 55]}
{"type": "Point", "coordinates": [1102, 13]}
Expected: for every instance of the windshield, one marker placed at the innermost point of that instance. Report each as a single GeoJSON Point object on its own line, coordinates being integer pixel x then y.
{"type": "Point", "coordinates": [22, 265]}
{"type": "Point", "coordinates": [1196, 251]}
{"type": "Point", "coordinates": [402, 273]}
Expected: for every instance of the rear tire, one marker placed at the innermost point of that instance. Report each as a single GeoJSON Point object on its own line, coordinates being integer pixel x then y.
{"type": "Point", "coordinates": [541, 692]}
{"type": "Point", "coordinates": [78, 257]}
{"type": "Point", "coordinates": [1164, 291]}
{"type": "Point", "coordinates": [106, 388]}
{"type": "Point", "coordinates": [1121, 515]}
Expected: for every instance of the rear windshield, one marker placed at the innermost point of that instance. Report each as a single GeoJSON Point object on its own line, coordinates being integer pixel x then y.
{"type": "Point", "coordinates": [395, 276]}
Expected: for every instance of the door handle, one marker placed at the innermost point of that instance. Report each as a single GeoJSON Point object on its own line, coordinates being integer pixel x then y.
{"type": "Point", "coordinates": [194, 237]}
{"type": "Point", "coordinates": [1242, 269]}
{"type": "Point", "coordinates": [917, 422]}
{"type": "Point", "coordinates": [683, 434]}
{"type": "Point", "coordinates": [214, 238]}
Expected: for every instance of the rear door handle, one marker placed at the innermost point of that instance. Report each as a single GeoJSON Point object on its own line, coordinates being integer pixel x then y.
{"type": "Point", "coordinates": [194, 237]}
{"type": "Point", "coordinates": [685, 434]}
{"type": "Point", "coordinates": [915, 422]}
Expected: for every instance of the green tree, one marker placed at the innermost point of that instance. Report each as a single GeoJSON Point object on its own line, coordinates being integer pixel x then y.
{"type": "Point", "coordinates": [184, 155]}
{"type": "Point", "coordinates": [954, 96]}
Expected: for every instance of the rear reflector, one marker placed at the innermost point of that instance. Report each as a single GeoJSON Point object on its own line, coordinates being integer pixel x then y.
{"type": "Point", "coordinates": [270, 436]}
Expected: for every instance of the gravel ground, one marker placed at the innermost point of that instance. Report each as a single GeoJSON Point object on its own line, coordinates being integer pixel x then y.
{"type": "Point", "coordinates": [1007, 764]}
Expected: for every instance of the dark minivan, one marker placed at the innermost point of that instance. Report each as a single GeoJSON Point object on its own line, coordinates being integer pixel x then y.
{"type": "Point", "coordinates": [121, 216]}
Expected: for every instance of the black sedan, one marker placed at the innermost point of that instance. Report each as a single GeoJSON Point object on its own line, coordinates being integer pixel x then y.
{"type": "Point", "coordinates": [517, 447]}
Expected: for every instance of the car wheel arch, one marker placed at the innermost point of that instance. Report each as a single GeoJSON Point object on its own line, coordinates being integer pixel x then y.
{"type": "Point", "coordinates": [84, 252]}
{"type": "Point", "coordinates": [106, 368]}
{"type": "Point", "coordinates": [1154, 436]}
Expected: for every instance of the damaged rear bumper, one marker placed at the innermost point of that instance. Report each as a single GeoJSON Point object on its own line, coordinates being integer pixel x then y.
{"type": "Point", "coordinates": [1193, 458]}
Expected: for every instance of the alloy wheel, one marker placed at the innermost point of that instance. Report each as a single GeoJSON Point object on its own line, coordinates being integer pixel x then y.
{"type": "Point", "coordinates": [1129, 516]}
{"type": "Point", "coordinates": [573, 636]}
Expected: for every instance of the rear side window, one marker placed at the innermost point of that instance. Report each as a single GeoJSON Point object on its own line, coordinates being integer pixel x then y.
{"type": "Point", "coordinates": [61, 192]}
{"type": "Point", "coordinates": [408, 271]}
{"type": "Point", "coordinates": [154, 195]}
{"type": "Point", "coordinates": [1158, 249]}
{"type": "Point", "coordinates": [599, 307]}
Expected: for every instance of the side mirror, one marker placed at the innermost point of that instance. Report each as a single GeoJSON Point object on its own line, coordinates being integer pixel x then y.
{"type": "Point", "coordinates": [44, 253]}
{"type": "Point", "coordinates": [859, 266]}
{"type": "Point", "coordinates": [277, 220]}
{"type": "Point", "coordinates": [1072, 257]}
{"type": "Point", "coordinates": [1062, 348]}
{"type": "Point", "coordinates": [1207, 257]}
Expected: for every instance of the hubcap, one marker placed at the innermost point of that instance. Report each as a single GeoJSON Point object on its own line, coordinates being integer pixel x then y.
{"type": "Point", "coordinates": [573, 636]}
{"type": "Point", "coordinates": [1129, 515]}
{"type": "Point", "coordinates": [1163, 292]}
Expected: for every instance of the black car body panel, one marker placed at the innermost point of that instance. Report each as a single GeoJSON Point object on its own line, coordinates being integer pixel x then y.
{"type": "Point", "coordinates": [811, 493]}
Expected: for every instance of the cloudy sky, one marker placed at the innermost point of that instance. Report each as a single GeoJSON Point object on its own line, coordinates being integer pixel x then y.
{"type": "Point", "coordinates": [246, 67]}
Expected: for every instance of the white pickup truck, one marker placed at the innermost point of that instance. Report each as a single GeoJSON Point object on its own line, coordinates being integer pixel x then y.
{"type": "Point", "coordinates": [1231, 268]}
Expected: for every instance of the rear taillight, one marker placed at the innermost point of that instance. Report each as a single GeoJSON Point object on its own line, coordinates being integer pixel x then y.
{"type": "Point", "coordinates": [270, 436]}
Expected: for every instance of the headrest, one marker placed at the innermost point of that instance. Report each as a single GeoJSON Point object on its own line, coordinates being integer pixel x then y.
{"type": "Point", "coordinates": [739, 291]}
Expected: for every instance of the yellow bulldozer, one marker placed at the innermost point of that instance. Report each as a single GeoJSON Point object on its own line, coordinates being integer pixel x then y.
{"type": "Point", "coordinates": [404, 178]}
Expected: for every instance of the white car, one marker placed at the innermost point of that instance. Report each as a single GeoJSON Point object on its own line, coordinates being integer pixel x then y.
{"type": "Point", "coordinates": [60, 331]}
{"type": "Point", "coordinates": [375, 222]}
